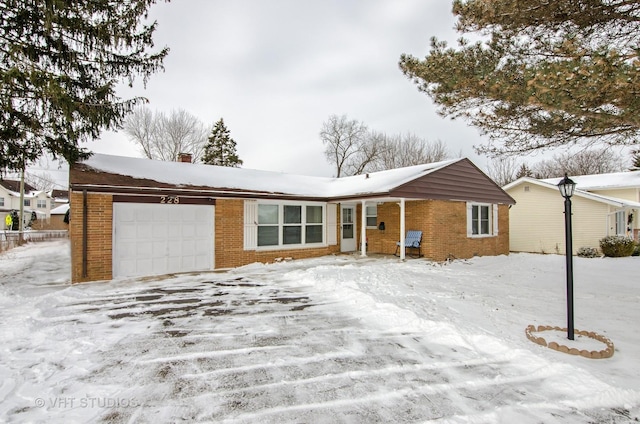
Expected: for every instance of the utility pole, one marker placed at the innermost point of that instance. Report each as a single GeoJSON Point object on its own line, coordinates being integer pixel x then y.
{"type": "Point", "coordinates": [21, 222]}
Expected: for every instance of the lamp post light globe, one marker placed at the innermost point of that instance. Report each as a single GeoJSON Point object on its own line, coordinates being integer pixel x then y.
{"type": "Point", "coordinates": [567, 188]}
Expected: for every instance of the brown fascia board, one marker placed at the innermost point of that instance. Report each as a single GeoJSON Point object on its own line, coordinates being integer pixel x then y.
{"type": "Point", "coordinates": [192, 191]}
{"type": "Point", "coordinates": [461, 181]}
{"type": "Point", "coordinates": [83, 177]}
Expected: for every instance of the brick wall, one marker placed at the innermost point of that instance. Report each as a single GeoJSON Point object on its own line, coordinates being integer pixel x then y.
{"type": "Point", "coordinates": [443, 225]}
{"type": "Point", "coordinates": [229, 240]}
{"type": "Point", "coordinates": [444, 230]}
{"type": "Point", "coordinates": [99, 237]}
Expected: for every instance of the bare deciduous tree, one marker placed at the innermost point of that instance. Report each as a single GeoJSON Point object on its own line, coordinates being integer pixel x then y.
{"type": "Point", "coordinates": [42, 181]}
{"type": "Point", "coordinates": [354, 149]}
{"type": "Point", "coordinates": [37, 173]}
{"type": "Point", "coordinates": [503, 170]}
{"type": "Point", "coordinates": [586, 162]}
{"type": "Point", "coordinates": [140, 126]}
{"type": "Point", "coordinates": [365, 159]}
{"type": "Point", "coordinates": [164, 137]}
{"type": "Point", "coordinates": [408, 150]}
{"type": "Point", "coordinates": [344, 141]}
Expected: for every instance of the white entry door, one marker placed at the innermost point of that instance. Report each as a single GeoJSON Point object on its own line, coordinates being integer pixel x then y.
{"type": "Point", "coordinates": [155, 239]}
{"type": "Point", "coordinates": [348, 229]}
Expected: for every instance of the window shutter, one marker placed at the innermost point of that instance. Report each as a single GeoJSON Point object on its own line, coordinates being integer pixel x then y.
{"type": "Point", "coordinates": [495, 220]}
{"type": "Point", "coordinates": [332, 224]}
{"type": "Point", "coordinates": [250, 224]}
{"type": "Point", "coordinates": [469, 224]}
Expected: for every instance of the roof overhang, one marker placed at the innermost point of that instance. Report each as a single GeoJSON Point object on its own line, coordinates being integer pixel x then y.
{"type": "Point", "coordinates": [457, 180]}
{"type": "Point", "coordinates": [612, 201]}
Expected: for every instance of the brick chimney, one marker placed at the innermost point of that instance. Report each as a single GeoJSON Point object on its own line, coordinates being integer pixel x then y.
{"type": "Point", "coordinates": [184, 157]}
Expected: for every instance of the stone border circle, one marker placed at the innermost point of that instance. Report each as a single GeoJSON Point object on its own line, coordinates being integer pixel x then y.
{"type": "Point", "coordinates": [591, 354]}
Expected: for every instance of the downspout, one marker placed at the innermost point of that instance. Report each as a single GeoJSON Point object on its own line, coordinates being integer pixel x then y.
{"type": "Point", "coordinates": [402, 231]}
{"type": "Point", "coordinates": [363, 230]}
{"type": "Point", "coordinates": [84, 233]}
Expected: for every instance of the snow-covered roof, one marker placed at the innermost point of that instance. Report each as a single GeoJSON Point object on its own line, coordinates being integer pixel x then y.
{"type": "Point", "coordinates": [60, 210]}
{"type": "Point", "coordinates": [27, 194]}
{"type": "Point", "coordinates": [200, 175]}
{"type": "Point", "coordinates": [552, 184]}
{"type": "Point", "coordinates": [59, 195]}
{"type": "Point", "coordinates": [629, 179]}
{"type": "Point", "coordinates": [14, 186]}
{"type": "Point", "coordinates": [13, 189]}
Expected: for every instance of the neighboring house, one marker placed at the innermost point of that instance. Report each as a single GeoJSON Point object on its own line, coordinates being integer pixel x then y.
{"type": "Point", "coordinates": [60, 197]}
{"type": "Point", "coordinates": [602, 205]}
{"type": "Point", "coordinates": [133, 216]}
{"type": "Point", "coordinates": [57, 219]}
{"type": "Point", "coordinates": [35, 201]}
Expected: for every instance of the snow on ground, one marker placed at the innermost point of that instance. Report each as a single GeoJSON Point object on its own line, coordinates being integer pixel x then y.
{"type": "Point", "coordinates": [333, 339]}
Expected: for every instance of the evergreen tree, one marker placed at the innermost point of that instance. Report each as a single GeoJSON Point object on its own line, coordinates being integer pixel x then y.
{"type": "Point", "coordinates": [524, 171]}
{"type": "Point", "coordinates": [635, 160]}
{"type": "Point", "coordinates": [221, 149]}
{"type": "Point", "coordinates": [60, 63]}
{"type": "Point", "coordinates": [548, 73]}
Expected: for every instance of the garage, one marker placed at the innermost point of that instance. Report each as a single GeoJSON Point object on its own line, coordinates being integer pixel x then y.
{"type": "Point", "coordinates": [162, 238]}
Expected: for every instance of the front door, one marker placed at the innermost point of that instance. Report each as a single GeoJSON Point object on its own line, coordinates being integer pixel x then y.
{"type": "Point", "coordinates": [348, 229]}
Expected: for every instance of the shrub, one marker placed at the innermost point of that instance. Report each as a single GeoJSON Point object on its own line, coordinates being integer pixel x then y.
{"type": "Point", "coordinates": [588, 252]}
{"type": "Point", "coordinates": [636, 250]}
{"type": "Point", "coordinates": [617, 246]}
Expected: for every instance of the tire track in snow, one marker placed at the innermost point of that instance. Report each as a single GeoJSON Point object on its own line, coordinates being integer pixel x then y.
{"type": "Point", "coordinates": [275, 354]}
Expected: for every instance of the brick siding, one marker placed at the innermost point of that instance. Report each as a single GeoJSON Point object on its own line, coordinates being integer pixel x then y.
{"type": "Point", "coordinates": [443, 225]}
{"type": "Point", "coordinates": [444, 230]}
{"type": "Point", "coordinates": [99, 236]}
{"type": "Point", "coordinates": [229, 240]}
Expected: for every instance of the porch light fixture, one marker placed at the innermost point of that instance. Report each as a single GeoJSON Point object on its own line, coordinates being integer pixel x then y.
{"type": "Point", "coordinates": [567, 187]}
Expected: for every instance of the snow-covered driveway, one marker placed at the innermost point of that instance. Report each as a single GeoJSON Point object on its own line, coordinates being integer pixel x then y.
{"type": "Point", "coordinates": [294, 342]}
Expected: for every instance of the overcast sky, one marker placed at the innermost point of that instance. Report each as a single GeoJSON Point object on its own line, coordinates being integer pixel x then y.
{"type": "Point", "coordinates": [276, 70]}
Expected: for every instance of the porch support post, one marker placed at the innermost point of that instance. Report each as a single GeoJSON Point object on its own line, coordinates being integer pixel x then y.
{"type": "Point", "coordinates": [363, 230]}
{"type": "Point", "coordinates": [402, 230]}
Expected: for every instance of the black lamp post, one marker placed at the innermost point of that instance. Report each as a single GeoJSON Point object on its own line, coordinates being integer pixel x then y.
{"type": "Point", "coordinates": [566, 187]}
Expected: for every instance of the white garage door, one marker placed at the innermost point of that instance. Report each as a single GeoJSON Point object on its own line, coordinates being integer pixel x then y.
{"type": "Point", "coordinates": [154, 239]}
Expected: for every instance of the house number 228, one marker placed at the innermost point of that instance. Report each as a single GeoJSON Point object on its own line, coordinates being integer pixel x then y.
{"type": "Point", "coordinates": [170, 199]}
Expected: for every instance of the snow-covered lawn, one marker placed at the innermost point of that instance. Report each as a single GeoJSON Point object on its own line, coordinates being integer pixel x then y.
{"type": "Point", "coordinates": [333, 339]}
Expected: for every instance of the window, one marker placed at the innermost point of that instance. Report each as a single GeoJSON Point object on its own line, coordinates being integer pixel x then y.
{"type": "Point", "coordinates": [1, 201]}
{"type": "Point", "coordinates": [42, 204]}
{"type": "Point", "coordinates": [479, 220]}
{"type": "Point", "coordinates": [313, 229]}
{"type": "Point", "coordinates": [289, 224]}
{"type": "Point", "coordinates": [372, 216]}
{"type": "Point", "coordinates": [292, 228]}
{"type": "Point", "coordinates": [482, 220]}
{"type": "Point", "coordinates": [268, 225]}
{"type": "Point", "coordinates": [27, 202]}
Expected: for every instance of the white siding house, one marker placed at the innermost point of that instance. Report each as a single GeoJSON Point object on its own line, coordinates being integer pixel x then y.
{"type": "Point", "coordinates": [602, 205]}
{"type": "Point", "coordinates": [35, 201]}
